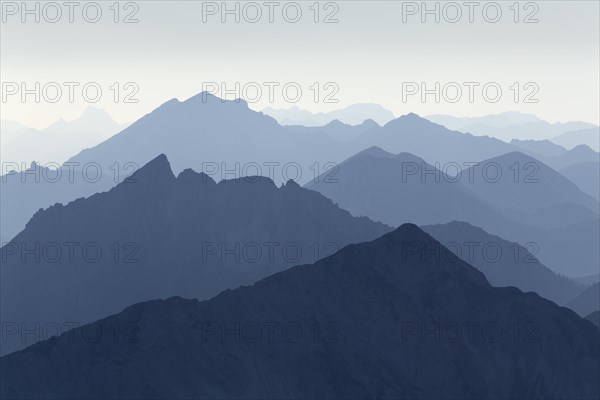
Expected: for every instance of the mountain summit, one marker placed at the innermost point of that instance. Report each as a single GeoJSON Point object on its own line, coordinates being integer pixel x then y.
{"type": "Point", "coordinates": [390, 318]}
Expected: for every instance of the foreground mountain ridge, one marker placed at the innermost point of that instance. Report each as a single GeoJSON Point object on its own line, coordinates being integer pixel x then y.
{"type": "Point", "coordinates": [405, 299]}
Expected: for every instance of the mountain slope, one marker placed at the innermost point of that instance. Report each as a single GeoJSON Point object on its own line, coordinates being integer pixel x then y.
{"type": "Point", "coordinates": [524, 187]}
{"type": "Point", "coordinates": [589, 137]}
{"type": "Point", "coordinates": [206, 132]}
{"type": "Point", "coordinates": [413, 134]}
{"type": "Point", "coordinates": [504, 263]}
{"type": "Point", "coordinates": [510, 125]}
{"type": "Point", "coordinates": [586, 176]}
{"type": "Point", "coordinates": [401, 188]}
{"type": "Point", "coordinates": [586, 302]}
{"type": "Point", "coordinates": [224, 139]}
{"type": "Point", "coordinates": [156, 235]}
{"type": "Point", "coordinates": [350, 326]}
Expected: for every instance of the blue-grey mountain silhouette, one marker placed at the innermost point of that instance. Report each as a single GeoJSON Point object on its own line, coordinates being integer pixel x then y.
{"type": "Point", "coordinates": [538, 148]}
{"type": "Point", "coordinates": [395, 189]}
{"type": "Point", "coordinates": [594, 318]}
{"type": "Point", "coordinates": [586, 302]}
{"type": "Point", "coordinates": [510, 125]}
{"type": "Point", "coordinates": [59, 141]}
{"type": "Point", "coordinates": [338, 130]}
{"type": "Point", "coordinates": [227, 139]}
{"type": "Point", "coordinates": [576, 155]}
{"type": "Point", "coordinates": [206, 129]}
{"type": "Point", "coordinates": [589, 137]}
{"type": "Point", "coordinates": [586, 176]}
{"type": "Point", "coordinates": [434, 143]}
{"type": "Point", "coordinates": [351, 115]}
{"type": "Point", "coordinates": [375, 320]}
{"type": "Point", "coordinates": [224, 139]}
{"type": "Point", "coordinates": [523, 186]}
{"type": "Point", "coordinates": [155, 236]}
{"type": "Point", "coordinates": [504, 263]}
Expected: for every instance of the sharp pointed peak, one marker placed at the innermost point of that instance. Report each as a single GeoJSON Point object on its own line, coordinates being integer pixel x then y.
{"type": "Point", "coordinates": [156, 169]}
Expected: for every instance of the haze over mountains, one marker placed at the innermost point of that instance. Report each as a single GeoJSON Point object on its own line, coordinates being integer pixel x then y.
{"type": "Point", "coordinates": [502, 262]}
{"type": "Point", "coordinates": [383, 312]}
{"type": "Point", "coordinates": [586, 302]}
{"type": "Point", "coordinates": [529, 191]}
{"type": "Point", "coordinates": [402, 188]}
{"type": "Point", "coordinates": [226, 139]}
{"type": "Point", "coordinates": [155, 236]}
{"type": "Point", "coordinates": [56, 143]}
{"type": "Point", "coordinates": [355, 114]}
{"type": "Point", "coordinates": [590, 137]}
{"type": "Point", "coordinates": [359, 319]}
{"type": "Point", "coordinates": [515, 125]}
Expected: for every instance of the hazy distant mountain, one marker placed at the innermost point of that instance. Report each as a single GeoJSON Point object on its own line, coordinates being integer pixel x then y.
{"type": "Point", "coordinates": [570, 250]}
{"type": "Point", "coordinates": [589, 137]}
{"type": "Point", "coordinates": [576, 155]}
{"type": "Point", "coordinates": [434, 143]}
{"type": "Point", "coordinates": [338, 130]}
{"type": "Point", "coordinates": [588, 279]}
{"type": "Point", "coordinates": [56, 143]}
{"type": "Point", "coordinates": [9, 130]}
{"type": "Point", "coordinates": [510, 125]}
{"type": "Point", "coordinates": [586, 176]}
{"type": "Point", "coordinates": [504, 263]}
{"type": "Point", "coordinates": [538, 148]}
{"type": "Point", "coordinates": [529, 191]}
{"type": "Point", "coordinates": [375, 320]}
{"type": "Point", "coordinates": [224, 139]}
{"type": "Point", "coordinates": [355, 114]}
{"type": "Point", "coordinates": [586, 302]}
{"type": "Point", "coordinates": [401, 188]}
{"type": "Point", "coordinates": [156, 235]}
{"type": "Point", "coordinates": [395, 189]}
{"type": "Point", "coordinates": [207, 133]}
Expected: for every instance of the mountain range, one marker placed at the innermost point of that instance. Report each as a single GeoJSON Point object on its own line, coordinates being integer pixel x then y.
{"type": "Point", "coordinates": [394, 189]}
{"type": "Point", "coordinates": [156, 235]}
{"type": "Point", "coordinates": [355, 114]}
{"type": "Point", "coordinates": [59, 141]}
{"type": "Point", "coordinates": [389, 318]}
{"type": "Point", "coordinates": [514, 125]}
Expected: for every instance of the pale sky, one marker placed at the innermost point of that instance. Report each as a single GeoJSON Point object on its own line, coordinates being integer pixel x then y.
{"type": "Point", "coordinates": [369, 55]}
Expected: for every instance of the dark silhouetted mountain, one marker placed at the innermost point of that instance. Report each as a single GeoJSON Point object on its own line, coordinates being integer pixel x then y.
{"type": "Point", "coordinates": [594, 318]}
{"type": "Point", "coordinates": [504, 263]}
{"type": "Point", "coordinates": [376, 320]}
{"type": "Point", "coordinates": [589, 137]}
{"type": "Point", "coordinates": [155, 236]}
{"type": "Point", "coordinates": [523, 187]}
{"type": "Point", "coordinates": [586, 176]}
{"type": "Point", "coordinates": [586, 302]}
